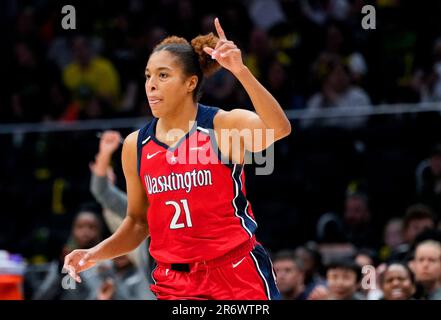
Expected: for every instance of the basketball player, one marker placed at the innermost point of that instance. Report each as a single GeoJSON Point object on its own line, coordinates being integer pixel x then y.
{"type": "Point", "coordinates": [196, 213]}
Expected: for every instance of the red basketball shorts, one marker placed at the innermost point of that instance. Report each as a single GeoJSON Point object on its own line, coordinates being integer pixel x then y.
{"type": "Point", "coordinates": [245, 273]}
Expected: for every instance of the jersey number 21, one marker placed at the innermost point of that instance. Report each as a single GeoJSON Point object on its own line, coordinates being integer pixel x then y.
{"type": "Point", "coordinates": [174, 223]}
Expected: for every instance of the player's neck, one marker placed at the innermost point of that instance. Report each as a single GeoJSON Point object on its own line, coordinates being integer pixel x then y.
{"type": "Point", "coordinates": [179, 118]}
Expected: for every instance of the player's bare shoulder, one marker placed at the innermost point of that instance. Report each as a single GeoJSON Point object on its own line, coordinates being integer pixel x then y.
{"type": "Point", "coordinates": [129, 151]}
{"type": "Point", "coordinates": [230, 119]}
{"type": "Point", "coordinates": [219, 119]}
{"type": "Point", "coordinates": [132, 138]}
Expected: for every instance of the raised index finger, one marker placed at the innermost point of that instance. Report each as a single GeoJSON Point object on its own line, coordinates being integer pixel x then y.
{"type": "Point", "coordinates": [220, 31]}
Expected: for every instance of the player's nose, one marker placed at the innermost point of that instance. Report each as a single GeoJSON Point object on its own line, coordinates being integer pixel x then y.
{"type": "Point", "coordinates": [151, 85]}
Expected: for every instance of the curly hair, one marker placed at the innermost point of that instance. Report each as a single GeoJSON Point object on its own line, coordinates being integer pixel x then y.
{"type": "Point", "coordinates": [192, 57]}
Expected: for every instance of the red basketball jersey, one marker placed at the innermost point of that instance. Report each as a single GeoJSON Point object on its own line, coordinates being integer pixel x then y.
{"type": "Point", "coordinates": [197, 203]}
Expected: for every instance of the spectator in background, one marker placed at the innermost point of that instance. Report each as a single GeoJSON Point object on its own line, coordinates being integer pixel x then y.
{"type": "Point", "coordinates": [337, 91]}
{"type": "Point", "coordinates": [289, 275]}
{"type": "Point", "coordinates": [117, 279]}
{"type": "Point", "coordinates": [221, 88]}
{"type": "Point", "coordinates": [27, 88]}
{"type": "Point", "coordinates": [343, 278]}
{"type": "Point", "coordinates": [332, 239]}
{"type": "Point", "coordinates": [187, 18]}
{"type": "Point", "coordinates": [91, 76]}
{"type": "Point", "coordinates": [337, 47]}
{"type": "Point", "coordinates": [265, 14]}
{"type": "Point", "coordinates": [86, 232]}
{"type": "Point", "coordinates": [428, 83]}
{"type": "Point", "coordinates": [427, 268]}
{"type": "Point", "coordinates": [34, 81]}
{"type": "Point", "coordinates": [428, 179]}
{"type": "Point", "coordinates": [114, 203]}
{"type": "Point", "coordinates": [259, 54]}
{"type": "Point", "coordinates": [315, 11]}
{"type": "Point", "coordinates": [368, 258]}
{"type": "Point", "coordinates": [418, 218]}
{"type": "Point", "coordinates": [121, 280]}
{"type": "Point", "coordinates": [321, 11]}
{"type": "Point", "coordinates": [311, 258]}
{"type": "Point", "coordinates": [397, 282]}
{"type": "Point", "coordinates": [392, 238]}
{"type": "Point", "coordinates": [357, 221]}
{"type": "Point", "coordinates": [279, 84]}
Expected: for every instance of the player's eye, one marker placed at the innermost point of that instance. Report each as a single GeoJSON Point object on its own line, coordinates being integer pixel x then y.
{"type": "Point", "coordinates": [163, 75]}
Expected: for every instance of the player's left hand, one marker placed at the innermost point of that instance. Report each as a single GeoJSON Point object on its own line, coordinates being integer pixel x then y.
{"type": "Point", "coordinates": [226, 52]}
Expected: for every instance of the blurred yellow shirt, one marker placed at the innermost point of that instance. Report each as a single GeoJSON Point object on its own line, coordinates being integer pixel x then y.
{"type": "Point", "coordinates": [100, 77]}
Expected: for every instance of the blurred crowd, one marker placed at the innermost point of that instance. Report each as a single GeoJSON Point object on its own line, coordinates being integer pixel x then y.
{"type": "Point", "coordinates": [347, 192]}
{"type": "Point", "coordinates": [309, 53]}
{"type": "Point", "coordinates": [344, 264]}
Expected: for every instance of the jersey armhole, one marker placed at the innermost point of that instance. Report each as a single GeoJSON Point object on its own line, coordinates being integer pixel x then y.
{"type": "Point", "coordinates": [143, 139]}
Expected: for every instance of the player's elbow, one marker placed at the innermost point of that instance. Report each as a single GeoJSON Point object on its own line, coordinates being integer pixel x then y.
{"type": "Point", "coordinates": [283, 131]}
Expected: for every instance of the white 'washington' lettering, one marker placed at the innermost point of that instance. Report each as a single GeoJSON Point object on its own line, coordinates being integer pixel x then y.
{"type": "Point", "coordinates": [178, 181]}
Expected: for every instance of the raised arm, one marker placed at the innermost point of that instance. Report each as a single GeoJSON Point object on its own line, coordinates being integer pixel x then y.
{"type": "Point", "coordinates": [134, 228]}
{"type": "Point", "coordinates": [268, 115]}
{"type": "Point", "coordinates": [101, 183]}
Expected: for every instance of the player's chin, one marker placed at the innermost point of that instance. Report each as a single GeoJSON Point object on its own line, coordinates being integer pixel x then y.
{"type": "Point", "coordinates": [156, 111]}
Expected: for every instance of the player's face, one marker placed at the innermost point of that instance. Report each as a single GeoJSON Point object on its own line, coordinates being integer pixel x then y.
{"type": "Point", "coordinates": [166, 86]}
{"type": "Point", "coordinates": [397, 284]}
